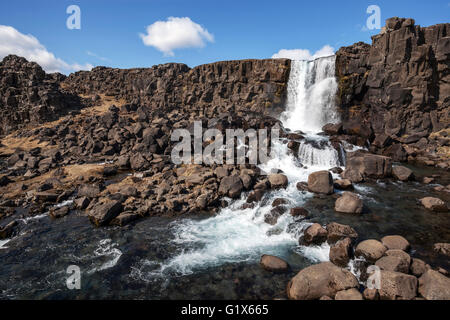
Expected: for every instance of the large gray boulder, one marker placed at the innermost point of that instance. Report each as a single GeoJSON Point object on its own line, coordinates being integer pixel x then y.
{"type": "Point", "coordinates": [323, 279]}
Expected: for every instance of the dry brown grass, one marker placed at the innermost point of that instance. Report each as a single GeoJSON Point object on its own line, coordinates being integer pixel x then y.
{"type": "Point", "coordinates": [10, 143]}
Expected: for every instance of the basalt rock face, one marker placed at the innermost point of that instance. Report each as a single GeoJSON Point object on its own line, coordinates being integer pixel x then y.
{"type": "Point", "coordinates": [241, 86]}
{"type": "Point", "coordinates": [396, 92]}
{"type": "Point", "coordinates": [30, 96]}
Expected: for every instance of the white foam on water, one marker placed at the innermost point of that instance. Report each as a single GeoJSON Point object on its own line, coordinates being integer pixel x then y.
{"type": "Point", "coordinates": [3, 242]}
{"type": "Point", "coordinates": [106, 249]}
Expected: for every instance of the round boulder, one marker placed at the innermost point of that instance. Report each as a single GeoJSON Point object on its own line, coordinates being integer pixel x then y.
{"type": "Point", "coordinates": [274, 264]}
{"type": "Point", "coordinates": [323, 279]}
{"type": "Point", "coordinates": [371, 249]}
{"type": "Point", "coordinates": [434, 204]}
{"type": "Point", "coordinates": [278, 181]}
{"type": "Point", "coordinates": [315, 234]}
{"type": "Point", "coordinates": [396, 242]}
{"type": "Point", "coordinates": [340, 252]}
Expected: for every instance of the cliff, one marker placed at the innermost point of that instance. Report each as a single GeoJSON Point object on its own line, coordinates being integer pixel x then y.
{"type": "Point", "coordinates": [396, 92]}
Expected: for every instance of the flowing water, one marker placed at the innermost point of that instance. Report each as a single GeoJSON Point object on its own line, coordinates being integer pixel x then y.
{"type": "Point", "coordinates": [206, 257]}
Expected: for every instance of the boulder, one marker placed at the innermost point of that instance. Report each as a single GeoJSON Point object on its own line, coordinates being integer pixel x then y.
{"type": "Point", "coordinates": [434, 286]}
{"type": "Point", "coordinates": [314, 234]}
{"type": "Point", "coordinates": [341, 252]}
{"type": "Point", "coordinates": [274, 264]}
{"type": "Point", "coordinates": [371, 294]}
{"type": "Point", "coordinates": [59, 212]}
{"type": "Point", "coordinates": [338, 231]}
{"type": "Point", "coordinates": [396, 242]}
{"type": "Point", "coordinates": [371, 250]}
{"type": "Point", "coordinates": [402, 173]}
{"type": "Point", "coordinates": [434, 204]}
{"type": "Point", "coordinates": [231, 186]}
{"type": "Point", "coordinates": [138, 162]}
{"type": "Point", "coordinates": [278, 180]}
{"type": "Point", "coordinates": [89, 190]}
{"type": "Point", "coordinates": [349, 202]}
{"type": "Point", "coordinates": [321, 182]}
{"type": "Point", "coordinates": [102, 213]}
{"type": "Point", "coordinates": [393, 263]}
{"type": "Point", "coordinates": [442, 248]}
{"type": "Point", "coordinates": [418, 267]}
{"type": "Point", "coordinates": [82, 203]}
{"type": "Point", "coordinates": [299, 212]}
{"type": "Point", "coordinates": [343, 184]}
{"type": "Point", "coordinates": [365, 165]}
{"type": "Point", "coordinates": [323, 279]}
{"type": "Point", "coordinates": [349, 294]}
{"type": "Point", "coordinates": [397, 286]}
{"type": "Point", "coordinates": [125, 218]}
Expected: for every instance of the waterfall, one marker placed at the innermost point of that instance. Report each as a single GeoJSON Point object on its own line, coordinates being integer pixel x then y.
{"type": "Point", "coordinates": [237, 234]}
{"type": "Point", "coordinates": [311, 95]}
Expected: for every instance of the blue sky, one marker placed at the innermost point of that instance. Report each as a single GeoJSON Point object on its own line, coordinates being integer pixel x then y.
{"type": "Point", "coordinates": [110, 30]}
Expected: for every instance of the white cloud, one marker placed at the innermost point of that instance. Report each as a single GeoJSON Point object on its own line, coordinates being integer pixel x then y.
{"type": "Point", "coordinates": [93, 54]}
{"type": "Point", "coordinates": [27, 46]}
{"type": "Point", "coordinates": [304, 54]}
{"type": "Point", "coordinates": [176, 33]}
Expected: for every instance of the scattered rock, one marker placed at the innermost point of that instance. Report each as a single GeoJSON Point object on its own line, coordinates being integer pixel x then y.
{"type": "Point", "coordinates": [278, 181]}
{"type": "Point", "coordinates": [442, 248]}
{"type": "Point", "coordinates": [314, 234]}
{"type": "Point", "coordinates": [321, 182]}
{"type": "Point", "coordinates": [323, 279]}
{"type": "Point", "coordinates": [371, 249]}
{"type": "Point", "coordinates": [299, 212]}
{"type": "Point", "coordinates": [125, 218]}
{"type": "Point", "coordinates": [341, 252]}
{"type": "Point", "coordinates": [349, 202]}
{"type": "Point", "coordinates": [434, 204]}
{"type": "Point", "coordinates": [231, 186]}
{"type": "Point", "coordinates": [402, 173]}
{"type": "Point", "coordinates": [349, 294]}
{"type": "Point", "coordinates": [102, 213]}
{"type": "Point", "coordinates": [343, 184]}
{"type": "Point", "coordinates": [397, 286]}
{"type": "Point", "coordinates": [338, 231]}
{"type": "Point", "coordinates": [59, 212]}
{"type": "Point", "coordinates": [396, 242]}
{"type": "Point", "coordinates": [434, 286]}
{"type": "Point", "coordinates": [274, 264]}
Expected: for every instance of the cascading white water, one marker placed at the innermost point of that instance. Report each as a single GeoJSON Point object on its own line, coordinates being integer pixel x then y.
{"type": "Point", "coordinates": [236, 234]}
{"type": "Point", "coordinates": [311, 93]}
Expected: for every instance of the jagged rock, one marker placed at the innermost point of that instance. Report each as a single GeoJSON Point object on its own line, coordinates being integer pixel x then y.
{"type": "Point", "coordinates": [418, 267]}
{"type": "Point", "coordinates": [274, 264]}
{"type": "Point", "coordinates": [299, 212]}
{"type": "Point", "coordinates": [323, 279]}
{"type": "Point", "coordinates": [7, 231]}
{"type": "Point", "coordinates": [341, 252]}
{"type": "Point", "coordinates": [60, 212]}
{"type": "Point", "coordinates": [402, 173]}
{"type": "Point", "coordinates": [442, 248]}
{"type": "Point", "coordinates": [82, 203]}
{"type": "Point", "coordinates": [343, 184]}
{"type": "Point", "coordinates": [4, 181]}
{"type": "Point", "coordinates": [338, 232]}
{"type": "Point", "coordinates": [314, 234]}
{"type": "Point", "coordinates": [396, 242]}
{"type": "Point", "coordinates": [397, 286]}
{"type": "Point", "coordinates": [434, 204]}
{"type": "Point", "coordinates": [434, 286]}
{"type": "Point", "coordinates": [320, 182]}
{"type": "Point", "coordinates": [278, 181]}
{"type": "Point", "coordinates": [371, 294]}
{"type": "Point", "coordinates": [349, 202]}
{"type": "Point", "coordinates": [370, 249]}
{"type": "Point", "coordinates": [102, 213]}
{"type": "Point", "coordinates": [89, 190]}
{"type": "Point", "coordinates": [231, 186]}
{"type": "Point", "coordinates": [138, 162]}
